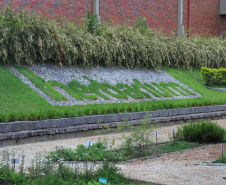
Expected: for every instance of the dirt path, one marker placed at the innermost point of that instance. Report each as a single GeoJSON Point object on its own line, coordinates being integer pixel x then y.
{"type": "Point", "coordinates": [177, 168]}
{"type": "Point", "coordinates": [180, 168]}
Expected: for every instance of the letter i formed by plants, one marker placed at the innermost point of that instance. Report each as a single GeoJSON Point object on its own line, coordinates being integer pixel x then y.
{"type": "Point", "coordinates": [60, 53]}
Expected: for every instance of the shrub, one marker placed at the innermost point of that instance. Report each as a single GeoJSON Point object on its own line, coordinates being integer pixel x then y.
{"type": "Point", "coordinates": [28, 39]}
{"type": "Point", "coordinates": [201, 132]}
{"type": "Point", "coordinates": [214, 76]}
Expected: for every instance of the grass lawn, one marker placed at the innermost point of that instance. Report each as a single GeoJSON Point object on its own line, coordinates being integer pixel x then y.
{"type": "Point", "coordinates": [19, 102]}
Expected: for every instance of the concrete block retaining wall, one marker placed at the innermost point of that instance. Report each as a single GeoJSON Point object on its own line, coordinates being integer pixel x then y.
{"type": "Point", "coordinates": [33, 131]}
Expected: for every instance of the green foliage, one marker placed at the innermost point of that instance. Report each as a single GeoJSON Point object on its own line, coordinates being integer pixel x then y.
{"type": "Point", "coordinates": [133, 145]}
{"type": "Point", "coordinates": [25, 38]}
{"type": "Point", "coordinates": [41, 84]}
{"type": "Point", "coordinates": [220, 159]}
{"type": "Point", "coordinates": [214, 76]}
{"type": "Point", "coordinates": [3, 118]}
{"type": "Point", "coordinates": [202, 132]}
{"type": "Point", "coordinates": [96, 152]}
{"type": "Point", "coordinates": [79, 91]}
{"type": "Point", "coordinates": [111, 172]}
{"type": "Point", "coordinates": [44, 171]}
{"type": "Point", "coordinates": [141, 24]}
{"type": "Point", "coordinates": [92, 21]}
{"type": "Point", "coordinates": [138, 137]}
{"type": "Point", "coordinates": [16, 97]}
{"type": "Point", "coordinates": [29, 39]}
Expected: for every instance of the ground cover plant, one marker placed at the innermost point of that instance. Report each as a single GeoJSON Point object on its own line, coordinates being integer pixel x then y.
{"type": "Point", "coordinates": [135, 143]}
{"type": "Point", "coordinates": [20, 102]}
{"type": "Point", "coordinates": [82, 153]}
{"type": "Point", "coordinates": [78, 90]}
{"type": "Point", "coordinates": [43, 171]}
{"type": "Point", "coordinates": [201, 132]}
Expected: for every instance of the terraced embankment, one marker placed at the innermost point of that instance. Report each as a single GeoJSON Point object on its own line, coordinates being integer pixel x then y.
{"type": "Point", "coordinates": [34, 131]}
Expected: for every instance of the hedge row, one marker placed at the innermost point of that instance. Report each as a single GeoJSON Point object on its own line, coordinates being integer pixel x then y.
{"type": "Point", "coordinates": [214, 76]}
{"type": "Point", "coordinates": [28, 39]}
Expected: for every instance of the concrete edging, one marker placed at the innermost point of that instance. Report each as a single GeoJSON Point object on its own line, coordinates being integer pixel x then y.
{"type": "Point", "coordinates": [15, 132]}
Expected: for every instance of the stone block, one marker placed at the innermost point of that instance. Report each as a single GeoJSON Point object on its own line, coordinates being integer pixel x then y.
{"type": "Point", "coordinates": [196, 116]}
{"type": "Point", "coordinates": [89, 119]}
{"type": "Point", "coordinates": [155, 120]}
{"type": "Point", "coordinates": [206, 115]}
{"type": "Point", "coordinates": [204, 109]}
{"type": "Point", "coordinates": [8, 142]}
{"type": "Point", "coordinates": [106, 118]}
{"type": "Point", "coordinates": [152, 114]}
{"type": "Point", "coordinates": [181, 112]}
{"type": "Point", "coordinates": [124, 117]}
{"type": "Point", "coordinates": [134, 115]}
{"type": "Point", "coordinates": [195, 110]}
{"type": "Point", "coordinates": [187, 111]}
{"type": "Point", "coordinates": [19, 135]}
{"type": "Point", "coordinates": [69, 122]}
{"type": "Point", "coordinates": [17, 126]}
{"type": "Point", "coordinates": [164, 113]}
{"type": "Point", "coordinates": [64, 122]}
{"type": "Point", "coordinates": [85, 127]}
{"type": "Point", "coordinates": [178, 118]}
{"type": "Point", "coordinates": [2, 137]}
{"type": "Point", "coordinates": [52, 132]}
{"type": "Point", "coordinates": [51, 123]}
{"type": "Point", "coordinates": [5, 127]}
{"type": "Point", "coordinates": [79, 128]}
{"type": "Point", "coordinates": [221, 108]}
{"type": "Point", "coordinates": [168, 119]}
{"type": "Point", "coordinates": [173, 112]}
{"type": "Point", "coordinates": [212, 108]}
{"type": "Point", "coordinates": [72, 129]}
{"type": "Point", "coordinates": [31, 125]}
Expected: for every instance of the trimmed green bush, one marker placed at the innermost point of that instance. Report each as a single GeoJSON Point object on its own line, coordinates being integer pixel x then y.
{"type": "Point", "coordinates": [201, 132]}
{"type": "Point", "coordinates": [214, 76]}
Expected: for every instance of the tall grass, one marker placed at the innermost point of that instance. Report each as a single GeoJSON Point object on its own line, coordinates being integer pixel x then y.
{"type": "Point", "coordinates": [29, 39]}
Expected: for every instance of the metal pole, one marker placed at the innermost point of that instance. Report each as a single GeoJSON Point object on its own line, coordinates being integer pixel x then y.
{"type": "Point", "coordinates": [96, 9]}
{"type": "Point", "coordinates": [180, 29]}
{"type": "Point", "coordinates": [4, 7]}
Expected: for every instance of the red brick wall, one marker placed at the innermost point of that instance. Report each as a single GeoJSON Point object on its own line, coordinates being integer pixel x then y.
{"type": "Point", "coordinates": [160, 14]}
{"type": "Point", "coordinates": [205, 17]}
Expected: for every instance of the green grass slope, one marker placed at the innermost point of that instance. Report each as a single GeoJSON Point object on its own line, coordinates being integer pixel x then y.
{"type": "Point", "coordinates": [19, 102]}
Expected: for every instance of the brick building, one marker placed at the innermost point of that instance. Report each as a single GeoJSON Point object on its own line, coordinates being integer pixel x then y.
{"type": "Point", "coordinates": [200, 16]}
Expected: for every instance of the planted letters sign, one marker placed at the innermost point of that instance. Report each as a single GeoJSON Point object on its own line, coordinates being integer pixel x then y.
{"type": "Point", "coordinates": [71, 86]}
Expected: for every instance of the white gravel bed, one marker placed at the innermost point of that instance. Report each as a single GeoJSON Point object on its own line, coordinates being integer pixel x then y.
{"type": "Point", "coordinates": [216, 89]}
{"type": "Point", "coordinates": [103, 75]}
